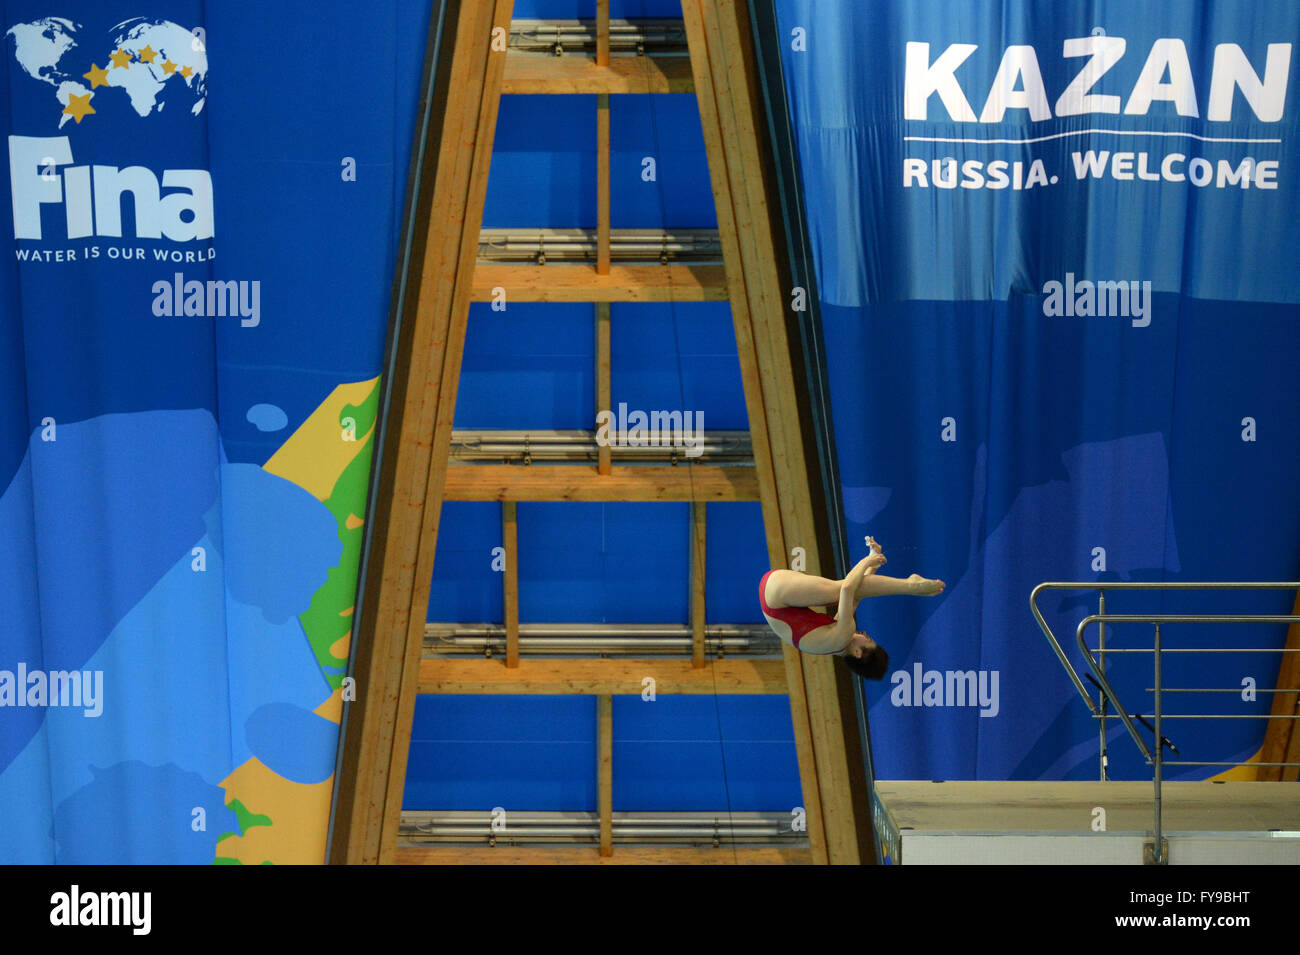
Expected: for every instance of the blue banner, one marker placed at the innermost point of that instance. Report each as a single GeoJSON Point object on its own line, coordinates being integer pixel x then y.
{"type": "Point", "coordinates": [198, 252]}
{"type": "Point", "coordinates": [1056, 259]}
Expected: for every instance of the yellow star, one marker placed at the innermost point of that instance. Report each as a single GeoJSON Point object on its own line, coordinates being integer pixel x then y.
{"type": "Point", "coordinates": [168, 67]}
{"type": "Point", "coordinates": [79, 106]}
{"type": "Point", "coordinates": [97, 76]}
{"type": "Point", "coordinates": [147, 54]}
{"type": "Point", "coordinates": [120, 58]}
{"type": "Point", "coordinates": [186, 72]}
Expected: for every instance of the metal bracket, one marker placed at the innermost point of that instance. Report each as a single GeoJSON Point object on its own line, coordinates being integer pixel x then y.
{"type": "Point", "coordinates": [1149, 853]}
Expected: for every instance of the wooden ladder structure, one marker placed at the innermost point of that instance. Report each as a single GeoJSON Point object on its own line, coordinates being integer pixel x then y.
{"type": "Point", "coordinates": [473, 68]}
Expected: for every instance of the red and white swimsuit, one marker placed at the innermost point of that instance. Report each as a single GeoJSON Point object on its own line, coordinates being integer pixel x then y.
{"type": "Point", "coordinates": [792, 624]}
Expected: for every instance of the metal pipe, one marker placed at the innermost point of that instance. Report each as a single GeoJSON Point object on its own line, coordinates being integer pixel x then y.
{"type": "Point", "coordinates": [1170, 689]}
{"type": "Point", "coordinates": [1221, 716]}
{"type": "Point", "coordinates": [486, 828]}
{"type": "Point", "coordinates": [1194, 618]}
{"type": "Point", "coordinates": [436, 826]}
{"type": "Point", "coordinates": [1101, 704]}
{"type": "Point", "coordinates": [527, 447]}
{"type": "Point", "coordinates": [699, 246]}
{"type": "Point", "coordinates": [606, 639]}
{"type": "Point", "coordinates": [642, 36]}
{"type": "Point", "coordinates": [571, 817]}
{"type": "Point", "coordinates": [595, 629]}
{"type": "Point", "coordinates": [1157, 854]}
{"type": "Point", "coordinates": [1211, 649]}
{"type": "Point", "coordinates": [1243, 762]}
{"type": "Point", "coordinates": [1106, 688]}
{"type": "Point", "coordinates": [1056, 646]}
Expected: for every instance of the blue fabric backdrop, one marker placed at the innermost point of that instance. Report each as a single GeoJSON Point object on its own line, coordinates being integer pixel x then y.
{"type": "Point", "coordinates": [996, 440]}
{"type": "Point", "coordinates": [170, 517]}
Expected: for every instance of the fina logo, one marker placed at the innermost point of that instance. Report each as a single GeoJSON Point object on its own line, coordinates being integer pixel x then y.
{"type": "Point", "coordinates": [152, 64]}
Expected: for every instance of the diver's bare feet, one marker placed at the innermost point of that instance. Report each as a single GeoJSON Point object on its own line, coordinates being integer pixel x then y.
{"type": "Point", "coordinates": [870, 563]}
{"type": "Point", "coordinates": [924, 586]}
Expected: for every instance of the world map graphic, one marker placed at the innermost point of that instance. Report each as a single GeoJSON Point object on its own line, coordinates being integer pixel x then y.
{"type": "Point", "coordinates": [150, 61]}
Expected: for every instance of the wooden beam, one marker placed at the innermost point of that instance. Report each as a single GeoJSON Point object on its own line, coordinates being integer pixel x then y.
{"type": "Point", "coordinates": [582, 283]}
{"type": "Point", "coordinates": [604, 399]}
{"type": "Point", "coordinates": [605, 771]}
{"type": "Point", "coordinates": [477, 676]}
{"type": "Point", "coordinates": [560, 75]}
{"type": "Point", "coordinates": [698, 551]}
{"type": "Point", "coordinates": [1280, 737]}
{"type": "Point", "coordinates": [718, 32]}
{"type": "Point", "coordinates": [411, 854]}
{"type": "Point", "coordinates": [576, 482]}
{"type": "Point", "coordinates": [422, 402]}
{"type": "Point", "coordinates": [510, 535]}
{"type": "Point", "coordinates": [451, 180]}
{"type": "Point", "coordinates": [602, 179]}
{"type": "Point", "coordinates": [602, 32]}
{"type": "Point", "coordinates": [602, 143]}
{"type": "Point", "coordinates": [453, 271]}
{"type": "Point", "coordinates": [694, 17]}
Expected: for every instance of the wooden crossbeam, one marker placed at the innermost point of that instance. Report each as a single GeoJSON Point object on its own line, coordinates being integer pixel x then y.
{"type": "Point", "coordinates": [576, 482]}
{"type": "Point", "coordinates": [582, 283]}
{"type": "Point", "coordinates": [565, 855]}
{"type": "Point", "coordinates": [618, 677]}
{"type": "Point", "coordinates": [559, 75]}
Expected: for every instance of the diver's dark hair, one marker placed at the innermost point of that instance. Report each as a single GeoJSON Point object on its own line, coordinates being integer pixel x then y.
{"type": "Point", "coordinates": [872, 665]}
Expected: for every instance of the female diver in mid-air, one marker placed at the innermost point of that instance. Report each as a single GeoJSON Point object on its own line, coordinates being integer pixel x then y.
{"type": "Point", "coordinates": [787, 596]}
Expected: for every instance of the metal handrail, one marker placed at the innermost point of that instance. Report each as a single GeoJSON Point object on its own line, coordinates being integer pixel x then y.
{"type": "Point", "coordinates": [1126, 585]}
{"type": "Point", "coordinates": [1108, 694]}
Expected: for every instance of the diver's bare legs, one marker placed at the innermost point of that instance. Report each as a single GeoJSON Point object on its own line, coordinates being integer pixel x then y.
{"type": "Point", "coordinates": [879, 586]}
{"type": "Point", "coordinates": [916, 585]}
{"type": "Point", "coordinates": [790, 588]}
